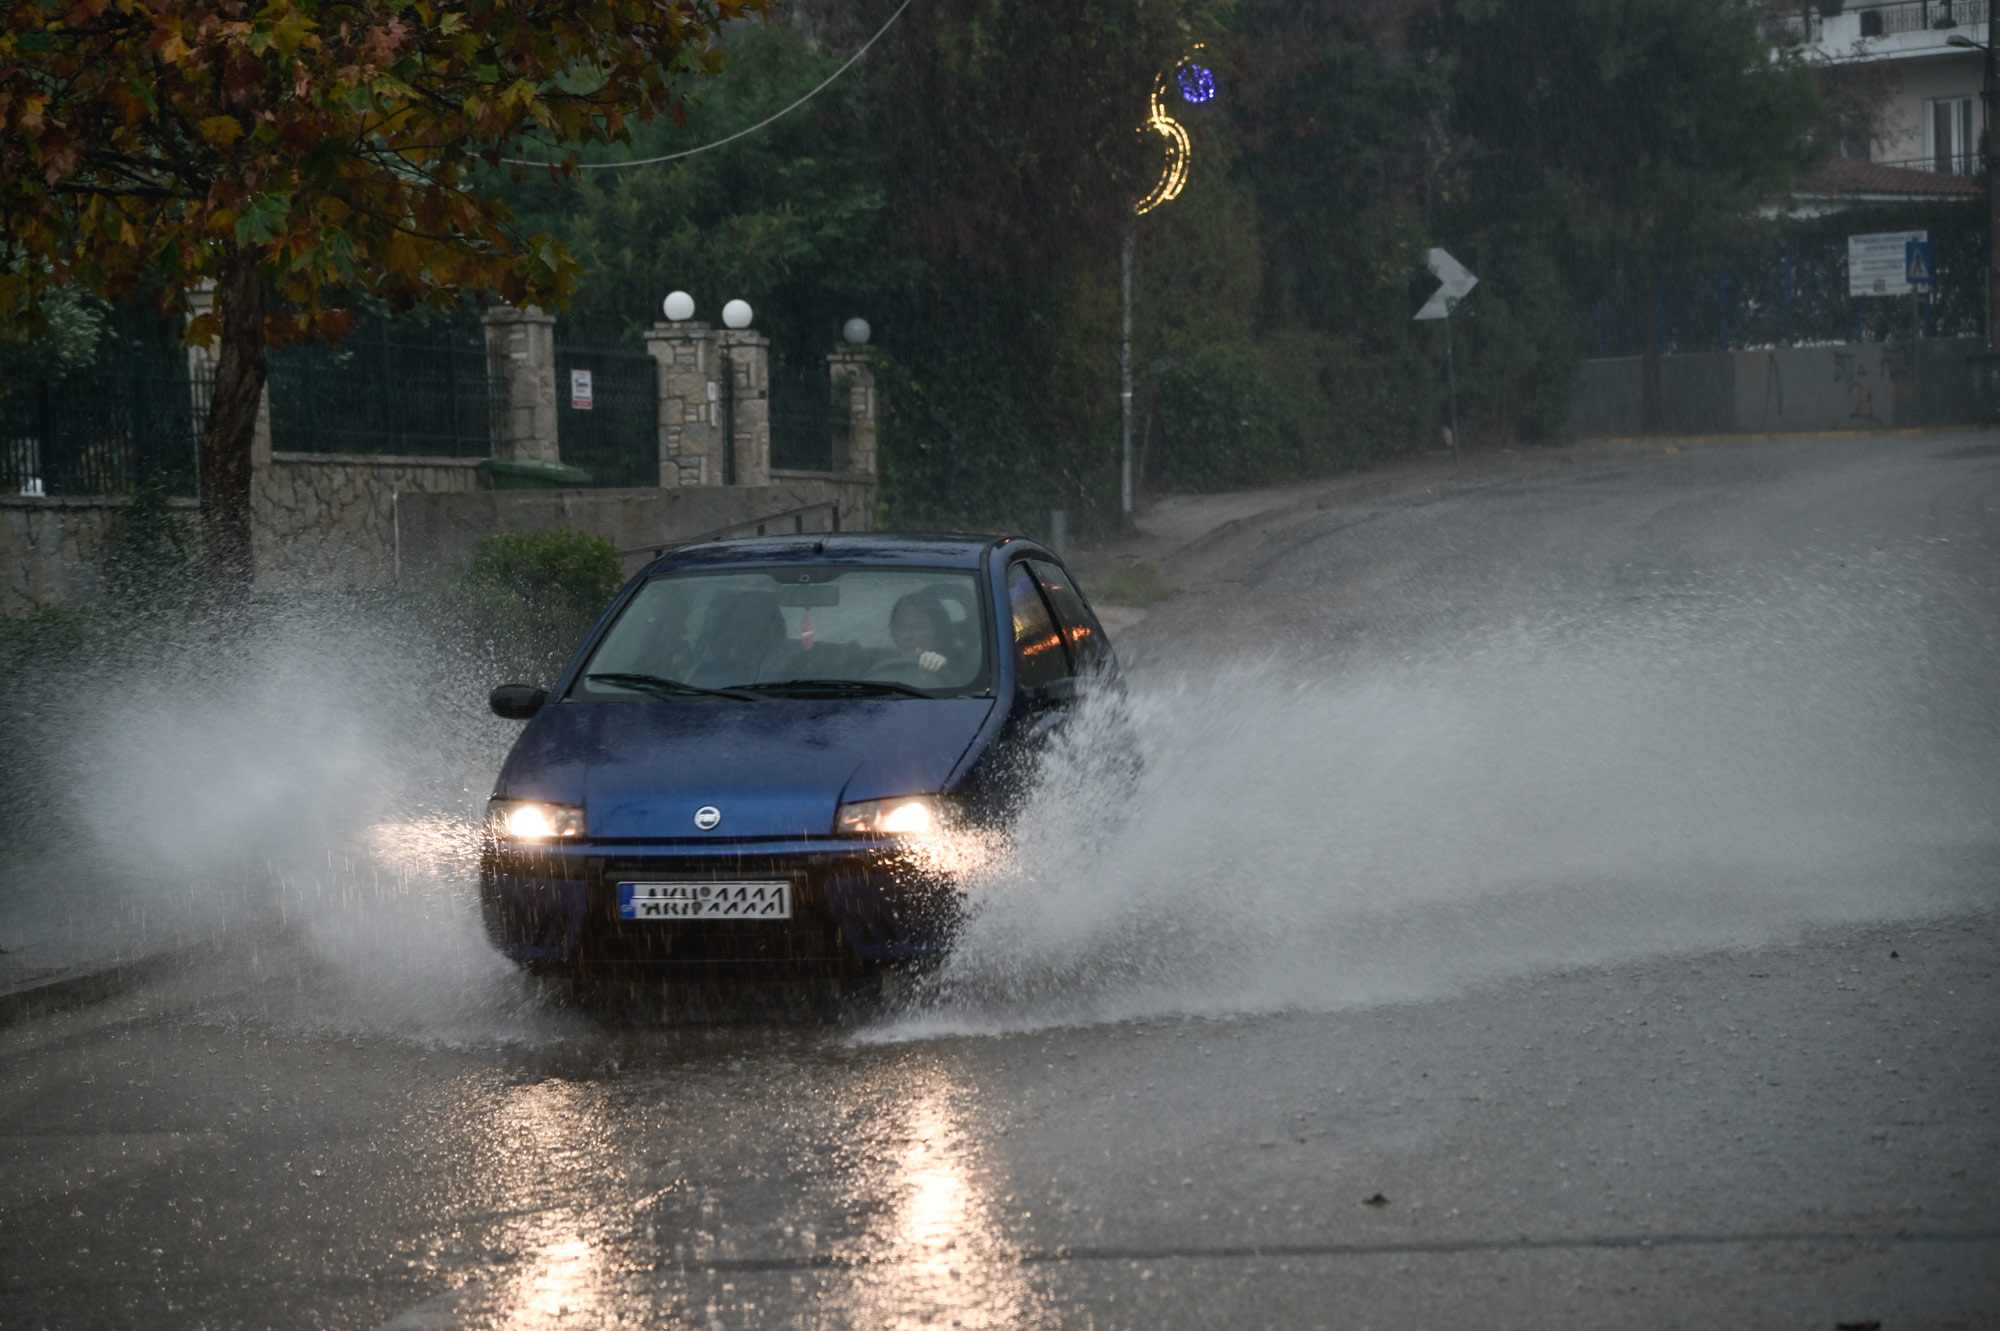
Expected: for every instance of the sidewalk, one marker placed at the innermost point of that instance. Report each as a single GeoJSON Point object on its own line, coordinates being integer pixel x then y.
{"type": "Point", "coordinates": [1181, 535]}
{"type": "Point", "coordinates": [69, 936]}
{"type": "Point", "coordinates": [1174, 534]}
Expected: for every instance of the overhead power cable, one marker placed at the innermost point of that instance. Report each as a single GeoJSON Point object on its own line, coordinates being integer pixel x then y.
{"type": "Point", "coordinates": [780, 115]}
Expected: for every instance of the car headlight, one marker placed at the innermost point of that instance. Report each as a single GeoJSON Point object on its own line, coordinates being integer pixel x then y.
{"type": "Point", "coordinates": [532, 820]}
{"type": "Point", "coordinates": [904, 816]}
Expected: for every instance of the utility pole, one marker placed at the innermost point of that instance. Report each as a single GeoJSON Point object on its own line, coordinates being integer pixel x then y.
{"type": "Point", "coordinates": [1991, 89]}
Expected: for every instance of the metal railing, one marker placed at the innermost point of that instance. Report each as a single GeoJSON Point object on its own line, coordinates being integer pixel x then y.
{"type": "Point", "coordinates": [105, 429]}
{"type": "Point", "coordinates": [1950, 164]}
{"type": "Point", "coordinates": [1792, 28]}
{"type": "Point", "coordinates": [1918, 16]}
{"type": "Point", "coordinates": [614, 432]}
{"type": "Point", "coordinates": [396, 389]}
{"type": "Point", "coordinates": [805, 419]}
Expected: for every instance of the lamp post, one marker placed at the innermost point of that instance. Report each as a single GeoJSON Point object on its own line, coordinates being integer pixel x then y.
{"type": "Point", "coordinates": [1196, 84]}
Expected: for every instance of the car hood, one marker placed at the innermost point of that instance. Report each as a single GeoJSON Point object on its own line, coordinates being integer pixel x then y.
{"type": "Point", "coordinates": [778, 768]}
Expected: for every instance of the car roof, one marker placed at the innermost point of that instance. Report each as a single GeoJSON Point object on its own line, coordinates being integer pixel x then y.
{"type": "Point", "coordinates": [913, 549]}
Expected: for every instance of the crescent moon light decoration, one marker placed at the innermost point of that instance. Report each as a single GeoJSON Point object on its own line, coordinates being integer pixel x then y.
{"type": "Point", "coordinates": [1173, 178]}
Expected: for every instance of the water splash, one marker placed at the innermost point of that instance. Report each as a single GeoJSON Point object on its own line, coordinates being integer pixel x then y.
{"type": "Point", "coordinates": [305, 786]}
{"type": "Point", "coordinates": [1744, 760]}
{"type": "Point", "coordinates": [1720, 769]}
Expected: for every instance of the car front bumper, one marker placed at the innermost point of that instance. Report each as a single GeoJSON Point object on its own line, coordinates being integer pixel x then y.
{"type": "Point", "coordinates": [852, 901]}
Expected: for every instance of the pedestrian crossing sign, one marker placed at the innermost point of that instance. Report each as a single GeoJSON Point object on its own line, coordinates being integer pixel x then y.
{"type": "Point", "coordinates": [1917, 264]}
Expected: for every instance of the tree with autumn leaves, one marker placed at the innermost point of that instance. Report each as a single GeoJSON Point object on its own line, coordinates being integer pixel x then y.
{"type": "Point", "coordinates": [298, 155]}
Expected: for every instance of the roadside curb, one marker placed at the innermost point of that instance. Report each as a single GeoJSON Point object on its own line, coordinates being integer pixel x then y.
{"type": "Point", "coordinates": [76, 986]}
{"type": "Point", "coordinates": [1769, 437]}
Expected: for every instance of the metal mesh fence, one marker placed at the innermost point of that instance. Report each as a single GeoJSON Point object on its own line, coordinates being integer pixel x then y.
{"type": "Point", "coordinates": [608, 422]}
{"type": "Point", "coordinates": [388, 388]}
{"type": "Point", "coordinates": [1794, 291]}
{"type": "Point", "coordinates": [131, 419]}
{"type": "Point", "coordinates": [804, 419]}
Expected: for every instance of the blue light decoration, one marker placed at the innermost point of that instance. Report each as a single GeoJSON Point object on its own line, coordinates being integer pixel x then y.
{"type": "Point", "coordinates": [1197, 84]}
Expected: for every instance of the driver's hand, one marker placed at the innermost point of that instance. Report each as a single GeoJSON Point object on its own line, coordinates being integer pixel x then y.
{"type": "Point", "coordinates": [931, 662]}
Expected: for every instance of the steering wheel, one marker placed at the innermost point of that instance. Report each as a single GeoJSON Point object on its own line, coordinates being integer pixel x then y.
{"type": "Point", "coordinates": [902, 670]}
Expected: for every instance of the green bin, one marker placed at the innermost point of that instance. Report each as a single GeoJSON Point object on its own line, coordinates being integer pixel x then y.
{"type": "Point", "coordinates": [533, 474]}
{"type": "Point", "coordinates": [1986, 385]}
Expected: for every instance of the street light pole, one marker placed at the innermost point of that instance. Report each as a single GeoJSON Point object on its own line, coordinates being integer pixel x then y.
{"type": "Point", "coordinates": [1125, 377]}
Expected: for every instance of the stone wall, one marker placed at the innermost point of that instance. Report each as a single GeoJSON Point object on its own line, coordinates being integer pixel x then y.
{"type": "Point", "coordinates": [348, 520]}
{"type": "Point", "coordinates": [329, 520]}
{"type": "Point", "coordinates": [439, 530]}
{"type": "Point", "coordinates": [52, 551]}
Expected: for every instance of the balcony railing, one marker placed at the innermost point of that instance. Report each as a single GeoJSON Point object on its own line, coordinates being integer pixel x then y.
{"type": "Point", "coordinates": [1951, 164]}
{"type": "Point", "coordinates": [1919, 16]}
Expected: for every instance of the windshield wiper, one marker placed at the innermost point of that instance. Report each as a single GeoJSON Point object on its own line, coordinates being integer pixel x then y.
{"type": "Point", "coordinates": [662, 687]}
{"type": "Point", "coordinates": [858, 688]}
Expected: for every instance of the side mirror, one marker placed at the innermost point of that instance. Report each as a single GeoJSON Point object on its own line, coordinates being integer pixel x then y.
{"type": "Point", "coordinates": [1055, 693]}
{"type": "Point", "coordinates": [517, 702]}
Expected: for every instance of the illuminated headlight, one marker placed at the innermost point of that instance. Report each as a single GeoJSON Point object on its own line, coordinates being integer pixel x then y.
{"type": "Point", "coordinates": [906, 815]}
{"type": "Point", "coordinates": [531, 820]}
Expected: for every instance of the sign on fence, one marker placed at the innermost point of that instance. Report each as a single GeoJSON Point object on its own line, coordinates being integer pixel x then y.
{"type": "Point", "coordinates": [1878, 265]}
{"type": "Point", "coordinates": [1917, 267]}
{"type": "Point", "coordinates": [579, 390]}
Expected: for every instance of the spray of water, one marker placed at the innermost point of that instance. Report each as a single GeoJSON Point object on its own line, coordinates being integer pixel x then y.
{"type": "Point", "coordinates": [1718, 770]}
{"type": "Point", "coordinates": [1728, 766]}
{"type": "Point", "coordinates": [303, 786]}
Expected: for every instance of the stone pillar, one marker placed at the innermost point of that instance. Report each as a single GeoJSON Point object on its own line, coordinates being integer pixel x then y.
{"type": "Point", "coordinates": [747, 356]}
{"type": "Point", "coordinates": [690, 403]}
{"type": "Point", "coordinates": [849, 372]}
{"type": "Point", "coordinates": [521, 349]}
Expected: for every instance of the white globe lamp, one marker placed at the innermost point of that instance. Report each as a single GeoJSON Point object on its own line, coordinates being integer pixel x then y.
{"type": "Point", "coordinates": [679, 306]}
{"type": "Point", "coordinates": [856, 331]}
{"type": "Point", "coordinates": [736, 314]}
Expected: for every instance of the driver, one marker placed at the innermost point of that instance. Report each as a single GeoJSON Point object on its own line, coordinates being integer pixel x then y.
{"type": "Point", "coordinates": [918, 627]}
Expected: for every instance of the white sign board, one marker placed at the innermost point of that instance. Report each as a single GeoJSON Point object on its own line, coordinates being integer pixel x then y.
{"type": "Point", "coordinates": [579, 390]}
{"type": "Point", "coordinates": [1876, 265]}
{"type": "Point", "coordinates": [1457, 282]}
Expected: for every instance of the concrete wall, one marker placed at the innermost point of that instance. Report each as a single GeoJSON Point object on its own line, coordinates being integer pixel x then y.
{"type": "Point", "coordinates": [1909, 88]}
{"type": "Point", "coordinates": [439, 530]}
{"type": "Point", "coordinates": [1866, 385]}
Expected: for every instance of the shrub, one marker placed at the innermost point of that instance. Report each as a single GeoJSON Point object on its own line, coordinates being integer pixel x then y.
{"type": "Point", "coordinates": [1222, 422]}
{"type": "Point", "coordinates": [529, 597]}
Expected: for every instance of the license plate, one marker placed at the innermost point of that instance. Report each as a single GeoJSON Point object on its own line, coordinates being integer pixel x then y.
{"type": "Point", "coordinates": [705, 901]}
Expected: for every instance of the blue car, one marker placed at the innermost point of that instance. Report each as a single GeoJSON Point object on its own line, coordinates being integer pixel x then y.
{"type": "Point", "coordinates": [758, 751]}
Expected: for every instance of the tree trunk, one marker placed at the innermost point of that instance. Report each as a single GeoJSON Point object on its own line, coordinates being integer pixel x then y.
{"type": "Point", "coordinates": [240, 371]}
{"type": "Point", "coordinates": [1651, 414]}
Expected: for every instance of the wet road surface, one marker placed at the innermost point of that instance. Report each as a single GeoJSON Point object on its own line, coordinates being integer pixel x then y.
{"type": "Point", "coordinates": [1682, 1118]}
{"type": "Point", "coordinates": [1793, 1136]}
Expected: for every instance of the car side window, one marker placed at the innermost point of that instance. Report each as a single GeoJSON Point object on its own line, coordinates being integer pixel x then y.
{"type": "Point", "coordinates": [1039, 657]}
{"type": "Point", "coordinates": [1088, 646]}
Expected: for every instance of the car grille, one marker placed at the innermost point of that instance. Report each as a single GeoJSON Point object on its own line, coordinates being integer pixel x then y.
{"type": "Point", "coordinates": [846, 907]}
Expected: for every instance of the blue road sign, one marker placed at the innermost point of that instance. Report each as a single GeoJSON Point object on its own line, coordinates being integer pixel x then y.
{"type": "Point", "coordinates": [1917, 268]}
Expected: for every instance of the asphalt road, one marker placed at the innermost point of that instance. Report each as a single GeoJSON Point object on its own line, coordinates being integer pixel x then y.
{"type": "Point", "coordinates": [1565, 894]}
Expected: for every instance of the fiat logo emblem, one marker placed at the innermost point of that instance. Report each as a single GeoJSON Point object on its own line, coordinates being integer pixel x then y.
{"type": "Point", "coordinates": [707, 817]}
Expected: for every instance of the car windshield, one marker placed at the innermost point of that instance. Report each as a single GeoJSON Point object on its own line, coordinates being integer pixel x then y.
{"type": "Point", "coordinates": [794, 632]}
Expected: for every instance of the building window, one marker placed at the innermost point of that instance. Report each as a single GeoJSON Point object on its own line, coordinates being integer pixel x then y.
{"type": "Point", "coordinates": [1953, 143]}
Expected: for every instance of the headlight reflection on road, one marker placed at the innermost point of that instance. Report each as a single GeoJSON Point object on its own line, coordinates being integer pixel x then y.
{"type": "Point", "coordinates": [549, 1135]}
{"type": "Point", "coordinates": [937, 1255]}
